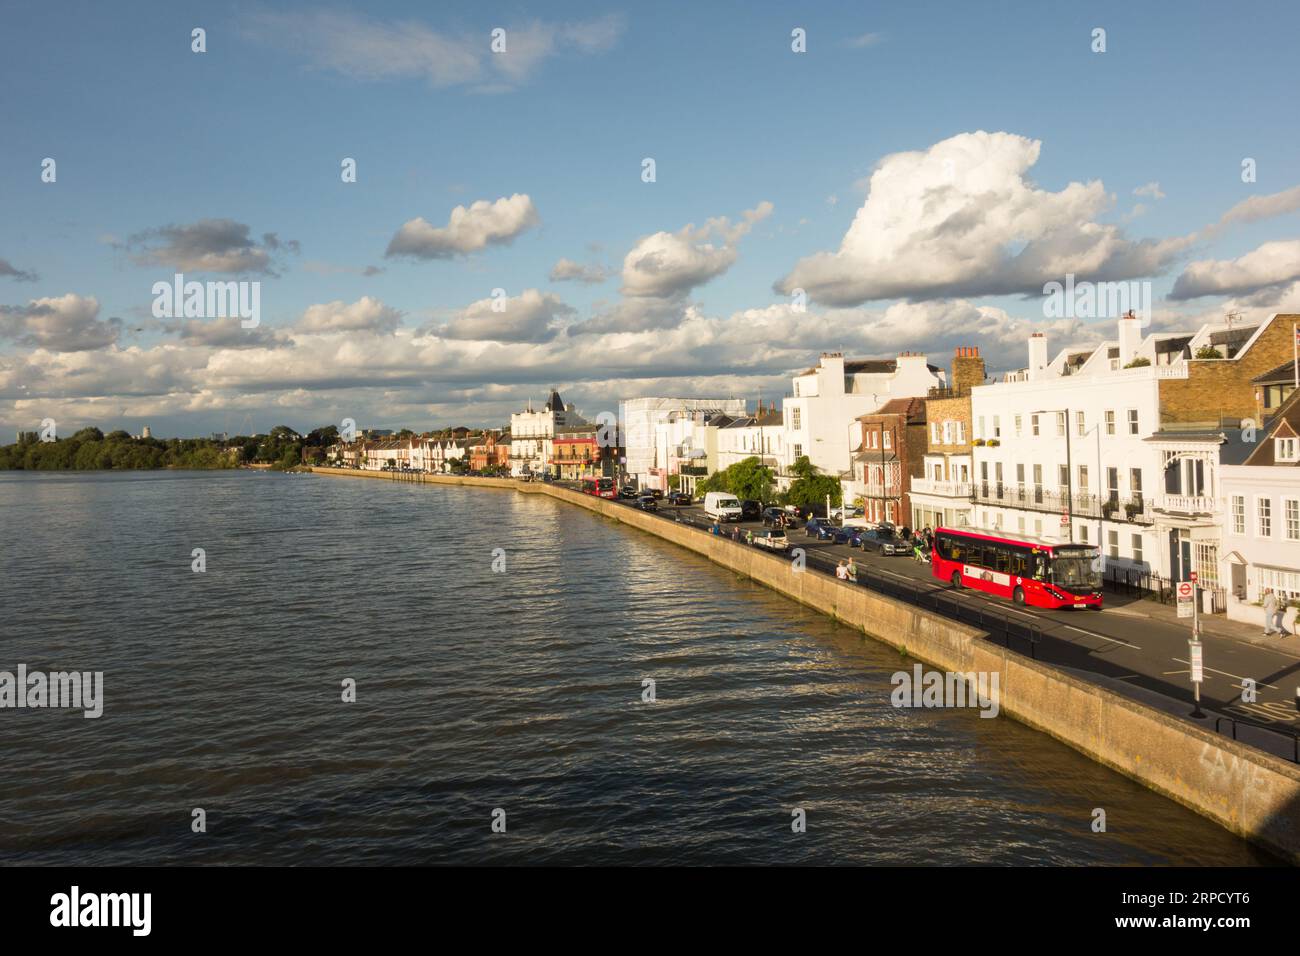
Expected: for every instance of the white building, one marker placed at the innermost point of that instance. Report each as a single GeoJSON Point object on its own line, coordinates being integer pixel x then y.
{"type": "Point", "coordinates": [652, 451]}
{"type": "Point", "coordinates": [761, 436]}
{"type": "Point", "coordinates": [828, 398]}
{"type": "Point", "coordinates": [533, 431]}
{"type": "Point", "coordinates": [1261, 534]}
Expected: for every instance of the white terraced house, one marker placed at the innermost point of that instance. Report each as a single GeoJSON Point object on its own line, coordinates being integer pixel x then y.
{"type": "Point", "coordinates": [532, 433]}
{"type": "Point", "coordinates": [1119, 445]}
{"type": "Point", "coordinates": [652, 451]}
{"type": "Point", "coordinates": [828, 398]}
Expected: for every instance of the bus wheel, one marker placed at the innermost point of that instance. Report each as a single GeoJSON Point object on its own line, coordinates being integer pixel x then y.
{"type": "Point", "coordinates": [1018, 595]}
{"type": "Point", "coordinates": [956, 579]}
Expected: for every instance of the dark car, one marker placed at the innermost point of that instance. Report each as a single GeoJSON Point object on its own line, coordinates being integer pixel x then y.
{"type": "Point", "coordinates": [777, 518]}
{"type": "Point", "coordinates": [647, 503]}
{"type": "Point", "coordinates": [750, 510]}
{"type": "Point", "coordinates": [819, 528]}
{"type": "Point", "coordinates": [628, 493]}
{"type": "Point", "coordinates": [851, 535]}
{"type": "Point", "coordinates": [882, 541]}
{"type": "Point", "coordinates": [679, 498]}
{"type": "Point", "coordinates": [655, 493]}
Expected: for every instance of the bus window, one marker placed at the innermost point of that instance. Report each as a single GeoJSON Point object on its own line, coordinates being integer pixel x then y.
{"type": "Point", "coordinates": [1019, 562]}
{"type": "Point", "coordinates": [1002, 557]}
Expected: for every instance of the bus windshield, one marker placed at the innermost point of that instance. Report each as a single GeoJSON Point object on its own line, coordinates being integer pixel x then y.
{"type": "Point", "coordinates": [605, 484]}
{"type": "Point", "coordinates": [1074, 569]}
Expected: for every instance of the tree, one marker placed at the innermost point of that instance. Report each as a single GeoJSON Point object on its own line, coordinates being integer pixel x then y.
{"type": "Point", "coordinates": [810, 486]}
{"type": "Point", "coordinates": [749, 479]}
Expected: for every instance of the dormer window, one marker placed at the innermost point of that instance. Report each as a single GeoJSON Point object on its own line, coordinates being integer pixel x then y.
{"type": "Point", "coordinates": [1286, 449]}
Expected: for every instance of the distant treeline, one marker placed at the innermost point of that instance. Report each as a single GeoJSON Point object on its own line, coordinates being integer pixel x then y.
{"type": "Point", "coordinates": [92, 450]}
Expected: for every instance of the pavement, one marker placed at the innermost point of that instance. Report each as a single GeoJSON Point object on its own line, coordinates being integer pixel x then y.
{"type": "Point", "coordinates": [1136, 646]}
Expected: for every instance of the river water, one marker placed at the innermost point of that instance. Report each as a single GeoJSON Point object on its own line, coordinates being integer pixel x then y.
{"type": "Point", "coordinates": [480, 691]}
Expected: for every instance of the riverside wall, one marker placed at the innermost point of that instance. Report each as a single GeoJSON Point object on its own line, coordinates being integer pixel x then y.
{"type": "Point", "coordinates": [1249, 792]}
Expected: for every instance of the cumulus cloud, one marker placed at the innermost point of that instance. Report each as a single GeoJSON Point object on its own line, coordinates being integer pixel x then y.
{"type": "Point", "coordinates": [1259, 207]}
{"type": "Point", "coordinates": [225, 333]}
{"type": "Point", "coordinates": [366, 48]}
{"type": "Point", "coordinates": [209, 245]}
{"type": "Point", "coordinates": [962, 219]}
{"type": "Point", "coordinates": [9, 271]}
{"type": "Point", "coordinates": [566, 270]}
{"type": "Point", "coordinates": [1151, 190]}
{"type": "Point", "coordinates": [1270, 266]}
{"type": "Point", "coordinates": [531, 316]}
{"type": "Point", "coordinates": [468, 230]}
{"type": "Point", "coordinates": [368, 314]}
{"type": "Point", "coordinates": [667, 264]}
{"type": "Point", "coordinates": [68, 323]}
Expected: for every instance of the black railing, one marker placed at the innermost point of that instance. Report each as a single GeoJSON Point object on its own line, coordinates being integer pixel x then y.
{"type": "Point", "coordinates": [1137, 510]}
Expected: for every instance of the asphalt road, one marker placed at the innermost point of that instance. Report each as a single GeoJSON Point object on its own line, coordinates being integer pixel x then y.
{"type": "Point", "coordinates": [1132, 646]}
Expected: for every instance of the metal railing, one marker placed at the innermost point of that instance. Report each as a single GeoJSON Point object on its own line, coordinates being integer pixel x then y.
{"type": "Point", "coordinates": [1036, 498]}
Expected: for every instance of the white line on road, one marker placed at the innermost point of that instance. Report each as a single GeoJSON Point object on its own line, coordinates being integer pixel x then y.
{"type": "Point", "coordinates": [1226, 674]}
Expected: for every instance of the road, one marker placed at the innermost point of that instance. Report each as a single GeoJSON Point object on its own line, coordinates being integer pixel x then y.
{"type": "Point", "coordinates": [1133, 646]}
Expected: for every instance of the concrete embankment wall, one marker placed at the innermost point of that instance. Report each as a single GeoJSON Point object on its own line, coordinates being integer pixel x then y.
{"type": "Point", "coordinates": [1253, 794]}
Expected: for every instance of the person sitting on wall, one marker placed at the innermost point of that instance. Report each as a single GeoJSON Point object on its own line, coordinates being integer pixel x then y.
{"type": "Point", "coordinates": [842, 572]}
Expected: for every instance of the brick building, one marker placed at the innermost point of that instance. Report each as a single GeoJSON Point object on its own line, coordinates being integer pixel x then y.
{"type": "Point", "coordinates": [941, 495]}
{"type": "Point", "coordinates": [889, 453]}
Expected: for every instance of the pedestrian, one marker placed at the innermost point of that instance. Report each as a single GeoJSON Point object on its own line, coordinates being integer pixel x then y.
{"type": "Point", "coordinates": [853, 571]}
{"type": "Point", "coordinates": [842, 571]}
{"type": "Point", "coordinates": [1272, 617]}
{"type": "Point", "coordinates": [749, 537]}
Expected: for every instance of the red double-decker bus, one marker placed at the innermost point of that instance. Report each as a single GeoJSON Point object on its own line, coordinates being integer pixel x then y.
{"type": "Point", "coordinates": [1027, 572]}
{"type": "Point", "coordinates": [600, 487]}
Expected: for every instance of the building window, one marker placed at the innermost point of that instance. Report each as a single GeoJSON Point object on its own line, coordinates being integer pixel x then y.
{"type": "Point", "coordinates": [979, 427]}
{"type": "Point", "coordinates": [1083, 534]}
{"type": "Point", "coordinates": [947, 433]}
{"type": "Point", "coordinates": [934, 433]}
{"type": "Point", "coordinates": [1110, 422]}
{"type": "Point", "coordinates": [1038, 483]}
{"type": "Point", "coordinates": [889, 439]}
{"type": "Point", "coordinates": [961, 433]}
{"type": "Point", "coordinates": [1112, 544]}
{"type": "Point", "coordinates": [1137, 548]}
{"type": "Point", "coordinates": [1033, 425]}
{"type": "Point", "coordinates": [1112, 484]}
{"type": "Point", "coordinates": [1238, 514]}
{"type": "Point", "coordinates": [1135, 483]}
{"type": "Point", "coordinates": [1078, 424]}
{"type": "Point", "coordinates": [798, 451]}
{"type": "Point", "coordinates": [1264, 517]}
{"type": "Point", "coordinates": [1292, 508]}
{"type": "Point", "coordinates": [795, 418]}
{"type": "Point", "coordinates": [1063, 478]}
{"type": "Point", "coordinates": [1133, 421]}
{"type": "Point", "coordinates": [997, 426]}
{"type": "Point", "coordinates": [1060, 424]}
{"type": "Point", "coordinates": [1017, 426]}
{"type": "Point", "coordinates": [1285, 449]}
{"type": "Point", "coordinates": [1083, 479]}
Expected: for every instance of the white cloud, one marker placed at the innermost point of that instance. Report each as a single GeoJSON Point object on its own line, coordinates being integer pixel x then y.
{"type": "Point", "coordinates": [962, 219]}
{"type": "Point", "coordinates": [67, 323]}
{"type": "Point", "coordinates": [566, 270]}
{"type": "Point", "coordinates": [531, 316]}
{"type": "Point", "coordinates": [667, 264]}
{"type": "Point", "coordinates": [468, 229]}
{"type": "Point", "coordinates": [365, 314]}
{"type": "Point", "coordinates": [1151, 190]}
{"type": "Point", "coordinates": [1269, 266]}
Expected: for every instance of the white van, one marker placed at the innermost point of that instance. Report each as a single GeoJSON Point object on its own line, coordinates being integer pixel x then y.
{"type": "Point", "coordinates": [722, 505]}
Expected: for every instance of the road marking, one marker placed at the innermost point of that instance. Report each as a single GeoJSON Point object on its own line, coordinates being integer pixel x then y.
{"type": "Point", "coordinates": [1226, 674]}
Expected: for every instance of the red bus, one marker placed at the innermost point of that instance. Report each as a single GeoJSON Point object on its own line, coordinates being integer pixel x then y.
{"type": "Point", "coordinates": [600, 487]}
{"type": "Point", "coordinates": [1041, 575]}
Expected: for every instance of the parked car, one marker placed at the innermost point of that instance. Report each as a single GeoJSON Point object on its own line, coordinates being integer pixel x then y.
{"type": "Point", "coordinates": [656, 493]}
{"type": "Point", "coordinates": [850, 535]}
{"type": "Point", "coordinates": [679, 498]}
{"type": "Point", "coordinates": [819, 528]}
{"type": "Point", "coordinates": [883, 542]}
{"type": "Point", "coordinates": [750, 510]}
{"type": "Point", "coordinates": [845, 511]}
{"type": "Point", "coordinates": [629, 493]}
{"type": "Point", "coordinates": [547, 476]}
{"type": "Point", "coordinates": [774, 540]}
{"type": "Point", "coordinates": [647, 503]}
{"type": "Point", "coordinates": [777, 518]}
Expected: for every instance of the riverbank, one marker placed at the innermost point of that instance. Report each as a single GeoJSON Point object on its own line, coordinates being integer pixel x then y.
{"type": "Point", "coordinates": [1248, 792]}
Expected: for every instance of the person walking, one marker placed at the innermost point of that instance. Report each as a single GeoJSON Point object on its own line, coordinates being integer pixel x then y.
{"type": "Point", "coordinates": [1271, 624]}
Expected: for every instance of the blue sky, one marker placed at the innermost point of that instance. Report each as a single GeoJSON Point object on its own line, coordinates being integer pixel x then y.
{"type": "Point", "coordinates": [149, 135]}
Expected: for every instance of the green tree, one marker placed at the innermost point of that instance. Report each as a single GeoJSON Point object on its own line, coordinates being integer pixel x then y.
{"type": "Point", "coordinates": [810, 486]}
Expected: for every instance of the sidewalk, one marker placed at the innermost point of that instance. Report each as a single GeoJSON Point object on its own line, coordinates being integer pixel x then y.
{"type": "Point", "coordinates": [1214, 625]}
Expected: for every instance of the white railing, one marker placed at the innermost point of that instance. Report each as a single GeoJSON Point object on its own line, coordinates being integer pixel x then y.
{"type": "Point", "coordinates": [949, 489]}
{"type": "Point", "coordinates": [1187, 504]}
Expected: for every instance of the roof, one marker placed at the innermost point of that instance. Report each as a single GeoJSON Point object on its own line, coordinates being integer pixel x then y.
{"type": "Point", "coordinates": [912, 410]}
{"type": "Point", "coordinates": [1283, 373]}
{"type": "Point", "coordinates": [554, 403]}
{"type": "Point", "coordinates": [862, 366]}
{"type": "Point", "coordinates": [1285, 423]}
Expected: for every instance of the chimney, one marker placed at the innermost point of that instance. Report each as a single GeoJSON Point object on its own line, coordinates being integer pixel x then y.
{"type": "Point", "coordinates": [1130, 337]}
{"type": "Point", "coordinates": [1037, 355]}
{"type": "Point", "coordinates": [967, 369]}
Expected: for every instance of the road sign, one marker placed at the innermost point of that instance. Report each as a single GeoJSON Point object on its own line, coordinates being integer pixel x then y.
{"type": "Point", "coordinates": [1198, 673]}
{"type": "Point", "coordinates": [1186, 591]}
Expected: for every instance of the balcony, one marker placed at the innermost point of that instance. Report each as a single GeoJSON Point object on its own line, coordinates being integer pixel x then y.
{"type": "Point", "coordinates": [1111, 508]}
{"type": "Point", "coordinates": [1187, 504]}
{"type": "Point", "coordinates": [949, 489]}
